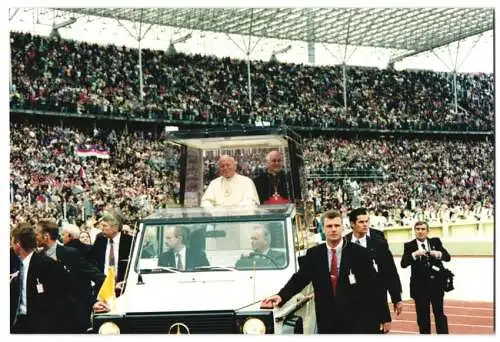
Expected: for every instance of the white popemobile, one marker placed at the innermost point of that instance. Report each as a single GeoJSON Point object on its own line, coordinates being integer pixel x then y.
{"type": "Point", "coordinates": [230, 259]}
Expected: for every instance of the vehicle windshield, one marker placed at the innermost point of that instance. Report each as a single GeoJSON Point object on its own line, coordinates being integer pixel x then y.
{"type": "Point", "coordinates": [228, 246]}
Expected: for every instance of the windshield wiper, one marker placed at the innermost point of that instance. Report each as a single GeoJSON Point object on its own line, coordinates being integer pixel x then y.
{"type": "Point", "coordinates": [160, 269]}
{"type": "Point", "coordinates": [214, 268]}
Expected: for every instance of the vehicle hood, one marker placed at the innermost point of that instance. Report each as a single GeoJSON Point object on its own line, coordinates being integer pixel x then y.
{"type": "Point", "coordinates": [196, 292]}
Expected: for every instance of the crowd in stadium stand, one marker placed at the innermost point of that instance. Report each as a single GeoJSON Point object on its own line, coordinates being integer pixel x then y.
{"type": "Point", "coordinates": [78, 77]}
{"type": "Point", "coordinates": [49, 177]}
{"type": "Point", "coordinates": [421, 175]}
{"type": "Point", "coordinates": [67, 172]}
{"type": "Point", "coordinates": [74, 173]}
{"type": "Point", "coordinates": [137, 172]}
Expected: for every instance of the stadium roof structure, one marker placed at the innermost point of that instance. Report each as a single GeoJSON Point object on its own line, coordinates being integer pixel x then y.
{"type": "Point", "coordinates": [414, 30]}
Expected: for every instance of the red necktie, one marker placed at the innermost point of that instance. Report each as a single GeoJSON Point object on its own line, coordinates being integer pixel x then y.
{"type": "Point", "coordinates": [334, 271]}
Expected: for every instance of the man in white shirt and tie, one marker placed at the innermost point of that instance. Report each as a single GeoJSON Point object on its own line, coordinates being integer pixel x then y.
{"type": "Point", "coordinates": [425, 256]}
{"type": "Point", "coordinates": [111, 247]}
{"type": "Point", "coordinates": [230, 189]}
{"type": "Point", "coordinates": [39, 291]}
{"type": "Point", "coordinates": [178, 255]}
{"type": "Point", "coordinates": [387, 277]}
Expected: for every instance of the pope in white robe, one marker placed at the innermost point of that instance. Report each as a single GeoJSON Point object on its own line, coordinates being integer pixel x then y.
{"type": "Point", "coordinates": [230, 189]}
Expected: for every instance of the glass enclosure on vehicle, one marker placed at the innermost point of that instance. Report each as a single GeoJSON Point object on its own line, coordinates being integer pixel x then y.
{"type": "Point", "coordinates": [249, 146]}
{"type": "Point", "coordinates": [219, 239]}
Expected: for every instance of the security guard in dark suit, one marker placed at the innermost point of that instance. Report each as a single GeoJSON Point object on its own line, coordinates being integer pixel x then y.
{"type": "Point", "coordinates": [387, 277]}
{"type": "Point", "coordinates": [376, 234]}
{"type": "Point", "coordinates": [425, 256]}
{"type": "Point", "coordinates": [341, 275]}
{"type": "Point", "coordinates": [39, 290]}
{"type": "Point", "coordinates": [80, 273]}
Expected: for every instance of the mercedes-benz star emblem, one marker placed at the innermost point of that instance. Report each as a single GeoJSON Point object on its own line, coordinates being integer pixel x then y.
{"type": "Point", "coordinates": [178, 329]}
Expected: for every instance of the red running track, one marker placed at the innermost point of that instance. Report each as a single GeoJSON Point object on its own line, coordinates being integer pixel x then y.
{"type": "Point", "coordinates": [463, 318]}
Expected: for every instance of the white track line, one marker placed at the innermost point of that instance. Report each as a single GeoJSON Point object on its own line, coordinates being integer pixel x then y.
{"type": "Point", "coordinates": [402, 332]}
{"type": "Point", "coordinates": [454, 324]}
{"type": "Point", "coordinates": [448, 314]}
{"type": "Point", "coordinates": [457, 307]}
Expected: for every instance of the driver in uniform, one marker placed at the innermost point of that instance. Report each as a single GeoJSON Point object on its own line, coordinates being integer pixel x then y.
{"type": "Point", "coordinates": [262, 255]}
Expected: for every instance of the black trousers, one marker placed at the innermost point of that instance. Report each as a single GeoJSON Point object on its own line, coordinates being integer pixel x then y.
{"type": "Point", "coordinates": [21, 325]}
{"type": "Point", "coordinates": [422, 305]}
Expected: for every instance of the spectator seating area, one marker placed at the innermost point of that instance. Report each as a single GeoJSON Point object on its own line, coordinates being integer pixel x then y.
{"type": "Point", "coordinates": [77, 77]}
{"type": "Point", "coordinates": [421, 176]}
{"type": "Point", "coordinates": [75, 172]}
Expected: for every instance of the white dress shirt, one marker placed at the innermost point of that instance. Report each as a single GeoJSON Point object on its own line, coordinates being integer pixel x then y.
{"type": "Point", "coordinates": [362, 241]}
{"type": "Point", "coordinates": [338, 252]}
{"type": "Point", "coordinates": [23, 309]}
{"type": "Point", "coordinates": [116, 244]}
{"type": "Point", "coordinates": [426, 244]}
{"type": "Point", "coordinates": [426, 249]}
{"type": "Point", "coordinates": [182, 254]}
{"type": "Point", "coordinates": [235, 191]}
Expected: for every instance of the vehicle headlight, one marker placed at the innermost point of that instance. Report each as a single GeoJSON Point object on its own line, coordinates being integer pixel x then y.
{"type": "Point", "coordinates": [109, 328]}
{"type": "Point", "coordinates": [254, 326]}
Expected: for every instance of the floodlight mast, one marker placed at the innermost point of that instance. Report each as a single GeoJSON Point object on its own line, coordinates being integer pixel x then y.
{"type": "Point", "coordinates": [247, 51]}
{"type": "Point", "coordinates": [139, 36]}
{"type": "Point", "coordinates": [311, 52]}
{"type": "Point", "coordinates": [455, 65]}
{"type": "Point", "coordinates": [344, 60]}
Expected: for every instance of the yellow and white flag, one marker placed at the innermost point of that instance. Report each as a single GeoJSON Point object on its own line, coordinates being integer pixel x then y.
{"type": "Point", "coordinates": [107, 291]}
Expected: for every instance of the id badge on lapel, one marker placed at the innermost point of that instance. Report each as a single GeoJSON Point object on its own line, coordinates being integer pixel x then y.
{"type": "Point", "coordinates": [352, 278]}
{"type": "Point", "coordinates": [39, 287]}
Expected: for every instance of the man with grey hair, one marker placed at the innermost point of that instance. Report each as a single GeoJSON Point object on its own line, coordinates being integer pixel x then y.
{"type": "Point", "coordinates": [111, 247]}
{"type": "Point", "coordinates": [71, 238]}
{"type": "Point", "coordinates": [230, 189]}
{"type": "Point", "coordinates": [80, 273]}
{"type": "Point", "coordinates": [425, 256]}
{"type": "Point", "coordinates": [274, 186]}
{"type": "Point", "coordinates": [262, 253]}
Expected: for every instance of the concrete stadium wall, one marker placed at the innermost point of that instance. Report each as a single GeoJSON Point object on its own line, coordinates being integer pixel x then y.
{"type": "Point", "coordinates": [474, 279]}
{"type": "Point", "coordinates": [460, 238]}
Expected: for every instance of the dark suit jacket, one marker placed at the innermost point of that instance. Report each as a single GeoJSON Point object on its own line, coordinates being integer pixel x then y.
{"type": "Point", "coordinates": [265, 188]}
{"type": "Point", "coordinates": [423, 277]}
{"type": "Point", "coordinates": [377, 234]}
{"type": "Point", "coordinates": [124, 250]}
{"type": "Point", "coordinates": [353, 305]}
{"type": "Point", "coordinates": [15, 262]}
{"type": "Point", "coordinates": [47, 311]}
{"type": "Point", "coordinates": [81, 247]}
{"type": "Point", "coordinates": [81, 273]}
{"type": "Point", "coordinates": [387, 270]}
{"type": "Point", "coordinates": [387, 277]}
{"type": "Point", "coordinates": [194, 258]}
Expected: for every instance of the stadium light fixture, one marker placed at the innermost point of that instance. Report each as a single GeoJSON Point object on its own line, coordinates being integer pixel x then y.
{"type": "Point", "coordinates": [280, 51]}
{"type": "Point", "coordinates": [71, 21]}
{"type": "Point", "coordinates": [181, 39]}
{"type": "Point", "coordinates": [171, 48]}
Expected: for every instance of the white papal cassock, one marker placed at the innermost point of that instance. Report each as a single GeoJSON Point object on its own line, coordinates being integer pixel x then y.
{"type": "Point", "coordinates": [237, 190]}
